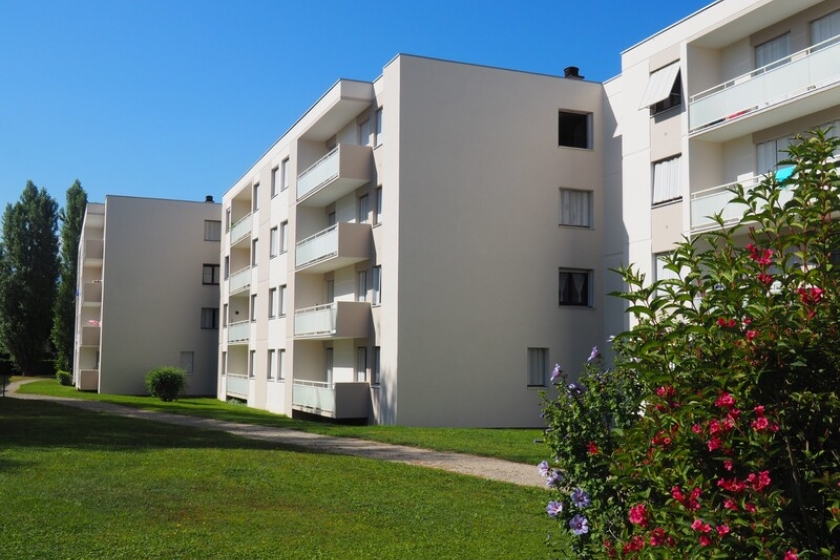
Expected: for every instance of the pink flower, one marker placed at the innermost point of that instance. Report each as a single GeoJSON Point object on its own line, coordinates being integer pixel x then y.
{"type": "Point", "coordinates": [722, 530]}
{"type": "Point", "coordinates": [704, 540]}
{"type": "Point", "coordinates": [592, 448]}
{"type": "Point", "coordinates": [751, 335]}
{"type": "Point", "coordinates": [791, 555]}
{"type": "Point", "coordinates": [725, 400]}
{"type": "Point", "coordinates": [657, 537]}
{"type": "Point", "coordinates": [638, 515]}
{"type": "Point", "coordinates": [727, 465]}
{"type": "Point", "coordinates": [729, 504]}
{"type": "Point", "coordinates": [714, 443]}
{"type": "Point", "coordinates": [697, 429]}
{"type": "Point", "coordinates": [765, 279]}
{"type": "Point", "coordinates": [636, 543]}
{"type": "Point", "coordinates": [759, 411]}
{"type": "Point", "coordinates": [760, 424]}
{"type": "Point", "coordinates": [750, 508]}
{"type": "Point", "coordinates": [698, 525]}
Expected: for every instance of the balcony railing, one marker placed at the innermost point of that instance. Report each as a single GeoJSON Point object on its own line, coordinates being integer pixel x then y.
{"type": "Point", "coordinates": [237, 385]}
{"type": "Point", "coordinates": [339, 172]}
{"type": "Point", "coordinates": [239, 280]}
{"type": "Point", "coordinates": [88, 380]}
{"type": "Point", "coordinates": [340, 319]}
{"type": "Point", "coordinates": [94, 249]}
{"type": "Point", "coordinates": [339, 245]}
{"type": "Point", "coordinates": [342, 400]}
{"type": "Point", "coordinates": [240, 229]}
{"type": "Point", "coordinates": [719, 200]}
{"type": "Point", "coordinates": [239, 331]}
{"type": "Point", "coordinates": [804, 72]}
{"type": "Point", "coordinates": [92, 293]}
{"type": "Point", "coordinates": [90, 335]}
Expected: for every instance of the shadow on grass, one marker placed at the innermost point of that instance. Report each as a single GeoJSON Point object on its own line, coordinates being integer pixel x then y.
{"type": "Point", "coordinates": [32, 423]}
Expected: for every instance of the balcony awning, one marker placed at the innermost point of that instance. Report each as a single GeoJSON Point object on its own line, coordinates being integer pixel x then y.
{"type": "Point", "coordinates": [660, 85]}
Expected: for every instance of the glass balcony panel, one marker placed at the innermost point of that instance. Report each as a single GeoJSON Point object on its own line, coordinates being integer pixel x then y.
{"type": "Point", "coordinates": [239, 280]}
{"type": "Point", "coordinates": [239, 331]}
{"type": "Point", "coordinates": [241, 228]}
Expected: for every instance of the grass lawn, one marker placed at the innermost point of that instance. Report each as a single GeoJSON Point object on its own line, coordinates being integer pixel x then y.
{"type": "Point", "coordinates": [511, 444]}
{"type": "Point", "coordinates": [82, 485]}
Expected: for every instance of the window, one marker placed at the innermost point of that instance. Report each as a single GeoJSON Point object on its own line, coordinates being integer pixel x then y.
{"type": "Point", "coordinates": [254, 246]}
{"type": "Point", "coordinates": [770, 153]}
{"type": "Point", "coordinates": [379, 137]}
{"type": "Point", "coordinates": [283, 300]}
{"type": "Point", "coordinates": [364, 207]}
{"type": "Point", "coordinates": [284, 237]}
{"type": "Point", "coordinates": [376, 374]}
{"type": "Point", "coordinates": [227, 267]}
{"type": "Point", "coordinates": [227, 220]}
{"type": "Point", "coordinates": [252, 362]}
{"type": "Point", "coordinates": [574, 287]}
{"type": "Point", "coordinates": [772, 51]}
{"type": "Point", "coordinates": [328, 363]}
{"type": "Point", "coordinates": [361, 364]}
{"type": "Point", "coordinates": [574, 130]}
{"type": "Point", "coordinates": [361, 286]}
{"type": "Point", "coordinates": [825, 28]}
{"type": "Point", "coordinates": [255, 199]}
{"type": "Point", "coordinates": [253, 307]}
{"type": "Point", "coordinates": [575, 208]}
{"type": "Point", "coordinates": [225, 315]}
{"type": "Point", "coordinates": [376, 285]}
{"type": "Point", "coordinates": [272, 303]}
{"type": "Point", "coordinates": [275, 176]}
{"type": "Point", "coordinates": [270, 366]}
{"type": "Point", "coordinates": [284, 174]}
{"type": "Point", "coordinates": [224, 363]}
{"type": "Point", "coordinates": [378, 216]}
{"type": "Point", "coordinates": [666, 180]}
{"type": "Point", "coordinates": [674, 98]}
{"type": "Point", "coordinates": [664, 89]}
{"type": "Point", "coordinates": [537, 366]}
{"type": "Point", "coordinates": [365, 130]}
{"type": "Point", "coordinates": [187, 361]}
{"type": "Point", "coordinates": [331, 220]}
{"type": "Point", "coordinates": [330, 291]}
{"type": "Point", "coordinates": [281, 361]}
{"type": "Point", "coordinates": [212, 230]}
{"type": "Point", "coordinates": [210, 274]}
{"type": "Point", "coordinates": [272, 243]}
{"type": "Point", "coordinates": [660, 260]}
{"type": "Point", "coordinates": [209, 317]}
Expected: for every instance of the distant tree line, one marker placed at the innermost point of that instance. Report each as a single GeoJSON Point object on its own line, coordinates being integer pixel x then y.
{"type": "Point", "coordinates": [38, 271]}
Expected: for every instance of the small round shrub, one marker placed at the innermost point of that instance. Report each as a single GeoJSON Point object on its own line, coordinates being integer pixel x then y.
{"type": "Point", "coordinates": [64, 377]}
{"type": "Point", "coordinates": [166, 382]}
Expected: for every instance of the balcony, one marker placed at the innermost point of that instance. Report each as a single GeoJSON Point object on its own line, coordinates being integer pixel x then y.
{"type": "Point", "coordinates": [239, 332]}
{"type": "Point", "coordinates": [241, 229]}
{"type": "Point", "coordinates": [237, 385]}
{"type": "Point", "coordinates": [339, 401]}
{"type": "Point", "coordinates": [88, 380]}
{"type": "Point", "coordinates": [239, 281]}
{"type": "Point", "coordinates": [338, 173]}
{"type": "Point", "coordinates": [810, 76]}
{"type": "Point", "coordinates": [94, 250]}
{"type": "Point", "coordinates": [90, 335]}
{"type": "Point", "coordinates": [91, 294]}
{"type": "Point", "coordinates": [340, 319]}
{"type": "Point", "coordinates": [339, 245]}
{"type": "Point", "coordinates": [718, 200]}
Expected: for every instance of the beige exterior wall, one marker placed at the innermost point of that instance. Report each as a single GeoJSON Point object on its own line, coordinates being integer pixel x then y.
{"type": "Point", "coordinates": [150, 277]}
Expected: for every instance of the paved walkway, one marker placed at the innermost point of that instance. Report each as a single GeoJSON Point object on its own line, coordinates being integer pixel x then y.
{"type": "Point", "coordinates": [493, 469]}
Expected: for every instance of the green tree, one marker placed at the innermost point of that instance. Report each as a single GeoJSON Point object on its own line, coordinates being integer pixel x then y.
{"type": "Point", "coordinates": [28, 275]}
{"type": "Point", "coordinates": [63, 329]}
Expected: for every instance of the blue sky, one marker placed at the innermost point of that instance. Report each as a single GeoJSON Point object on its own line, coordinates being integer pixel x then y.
{"type": "Point", "coordinates": [177, 98]}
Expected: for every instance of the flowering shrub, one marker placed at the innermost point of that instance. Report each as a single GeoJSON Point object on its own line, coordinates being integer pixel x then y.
{"type": "Point", "coordinates": [723, 437]}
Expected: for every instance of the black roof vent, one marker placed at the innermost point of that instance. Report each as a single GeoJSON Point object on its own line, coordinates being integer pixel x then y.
{"type": "Point", "coordinates": [572, 72]}
{"type": "Point", "coordinates": [208, 198]}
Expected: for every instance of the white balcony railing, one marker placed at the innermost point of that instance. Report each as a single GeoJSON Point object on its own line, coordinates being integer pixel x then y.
{"type": "Point", "coordinates": [317, 320]}
{"type": "Point", "coordinates": [718, 200]}
{"type": "Point", "coordinates": [239, 280]}
{"type": "Point", "coordinates": [92, 293]}
{"type": "Point", "coordinates": [803, 72]}
{"type": "Point", "coordinates": [341, 400]}
{"type": "Point", "coordinates": [322, 245]}
{"type": "Point", "coordinates": [240, 229]}
{"type": "Point", "coordinates": [237, 385]}
{"type": "Point", "coordinates": [340, 319]}
{"type": "Point", "coordinates": [315, 396]}
{"type": "Point", "coordinates": [319, 173]}
{"type": "Point", "coordinates": [345, 168]}
{"type": "Point", "coordinates": [94, 249]}
{"type": "Point", "coordinates": [239, 331]}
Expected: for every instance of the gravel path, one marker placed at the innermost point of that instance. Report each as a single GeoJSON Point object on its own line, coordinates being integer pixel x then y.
{"type": "Point", "coordinates": [484, 467]}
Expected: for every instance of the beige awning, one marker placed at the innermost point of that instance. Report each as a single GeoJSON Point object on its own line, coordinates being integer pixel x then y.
{"type": "Point", "coordinates": [660, 85]}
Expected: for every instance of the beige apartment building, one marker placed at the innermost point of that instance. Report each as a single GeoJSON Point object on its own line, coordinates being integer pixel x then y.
{"type": "Point", "coordinates": [419, 250]}
{"type": "Point", "coordinates": [148, 293]}
{"type": "Point", "coordinates": [705, 103]}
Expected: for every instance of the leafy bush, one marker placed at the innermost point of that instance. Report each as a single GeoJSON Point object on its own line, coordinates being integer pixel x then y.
{"type": "Point", "coordinates": [64, 377]}
{"type": "Point", "coordinates": [166, 382]}
{"type": "Point", "coordinates": [720, 419]}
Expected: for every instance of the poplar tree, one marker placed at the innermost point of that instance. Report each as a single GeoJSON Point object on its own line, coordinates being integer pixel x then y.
{"type": "Point", "coordinates": [63, 329]}
{"type": "Point", "coordinates": [28, 274]}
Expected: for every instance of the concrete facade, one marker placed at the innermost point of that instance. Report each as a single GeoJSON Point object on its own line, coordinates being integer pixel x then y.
{"type": "Point", "coordinates": [148, 293]}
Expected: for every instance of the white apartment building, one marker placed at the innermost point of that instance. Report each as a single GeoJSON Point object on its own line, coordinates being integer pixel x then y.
{"type": "Point", "coordinates": [419, 250]}
{"type": "Point", "coordinates": [148, 293]}
{"type": "Point", "coordinates": [708, 102]}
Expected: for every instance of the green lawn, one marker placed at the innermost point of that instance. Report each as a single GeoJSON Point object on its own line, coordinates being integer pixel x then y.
{"type": "Point", "coordinates": [510, 444]}
{"type": "Point", "coordinates": [82, 485]}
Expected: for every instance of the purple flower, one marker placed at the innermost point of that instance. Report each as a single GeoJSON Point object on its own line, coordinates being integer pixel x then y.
{"type": "Point", "coordinates": [554, 508]}
{"type": "Point", "coordinates": [594, 355]}
{"type": "Point", "coordinates": [544, 468]}
{"type": "Point", "coordinates": [554, 478]}
{"type": "Point", "coordinates": [579, 524]}
{"type": "Point", "coordinates": [580, 498]}
{"type": "Point", "coordinates": [576, 389]}
{"type": "Point", "coordinates": [556, 372]}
